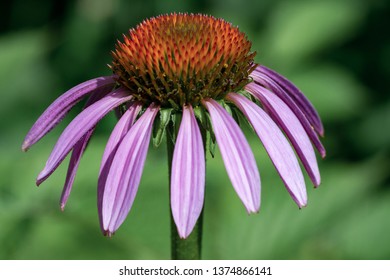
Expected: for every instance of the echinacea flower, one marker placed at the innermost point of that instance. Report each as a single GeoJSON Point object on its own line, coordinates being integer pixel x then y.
{"type": "Point", "coordinates": [195, 73]}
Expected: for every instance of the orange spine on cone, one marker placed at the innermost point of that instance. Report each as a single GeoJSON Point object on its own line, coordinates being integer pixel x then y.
{"type": "Point", "coordinates": [181, 58]}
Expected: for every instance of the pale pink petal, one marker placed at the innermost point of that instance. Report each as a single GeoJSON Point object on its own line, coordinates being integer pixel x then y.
{"type": "Point", "coordinates": [276, 145]}
{"type": "Point", "coordinates": [276, 89]}
{"type": "Point", "coordinates": [77, 152]}
{"type": "Point", "coordinates": [188, 174]}
{"type": "Point", "coordinates": [84, 122]}
{"type": "Point", "coordinates": [122, 127]}
{"type": "Point", "coordinates": [290, 124]}
{"type": "Point", "coordinates": [125, 172]}
{"type": "Point", "coordinates": [237, 155]}
{"type": "Point", "coordinates": [61, 106]}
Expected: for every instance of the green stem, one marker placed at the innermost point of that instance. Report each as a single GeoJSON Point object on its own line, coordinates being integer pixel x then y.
{"type": "Point", "coordinates": [189, 248]}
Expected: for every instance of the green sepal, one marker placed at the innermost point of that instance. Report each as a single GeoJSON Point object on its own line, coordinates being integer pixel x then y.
{"type": "Point", "coordinates": [174, 105]}
{"type": "Point", "coordinates": [210, 144]}
{"type": "Point", "coordinates": [206, 128]}
{"type": "Point", "coordinates": [210, 137]}
{"type": "Point", "coordinates": [121, 109]}
{"type": "Point", "coordinates": [238, 116]}
{"type": "Point", "coordinates": [246, 94]}
{"type": "Point", "coordinates": [201, 115]}
{"type": "Point", "coordinates": [227, 107]}
{"type": "Point", "coordinates": [250, 97]}
{"type": "Point", "coordinates": [241, 119]}
{"type": "Point", "coordinates": [160, 126]}
{"type": "Point", "coordinates": [176, 121]}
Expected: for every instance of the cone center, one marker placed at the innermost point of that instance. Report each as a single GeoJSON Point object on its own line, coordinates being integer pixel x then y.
{"type": "Point", "coordinates": [179, 59]}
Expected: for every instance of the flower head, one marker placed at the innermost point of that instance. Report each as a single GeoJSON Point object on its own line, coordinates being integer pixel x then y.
{"type": "Point", "coordinates": [198, 71]}
{"type": "Point", "coordinates": [180, 59]}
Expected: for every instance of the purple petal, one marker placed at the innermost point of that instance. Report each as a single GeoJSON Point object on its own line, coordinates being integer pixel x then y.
{"type": "Point", "coordinates": [122, 127]}
{"type": "Point", "coordinates": [77, 152]}
{"type": "Point", "coordinates": [302, 101]}
{"type": "Point", "coordinates": [283, 115]}
{"type": "Point", "coordinates": [237, 155]}
{"type": "Point", "coordinates": [61, 106]}
{"type": "Point", "coordinates": [125, 172]}
{"type": "Point", "coordinates": [276, 145]}
{"type": "Point", "coordinates": [276, 89]}
{"type": "Point", "coordinates": [84, 122]}
{"type": "Point", "coordinates": [188, 174]}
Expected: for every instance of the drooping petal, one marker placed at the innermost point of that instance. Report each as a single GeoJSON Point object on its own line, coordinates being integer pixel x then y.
{"type": "Point", "coordinates": [77, 152]}
{"type": "Point", "coordinates": [237, 155]}
{"type": "Point", "coordinates": [74, 161]}
{"type": "Point", "coordinates": [122, 127]}
{"type": "Point", "coordinates": [302, 101]}
{"type": "Point", "coordinates": [84, 122]}
{"type": "Point", "coordinates": [276, 145]}
{"type": "Point", "coordinates": [188, 174]}
{"type": "Point", "coordinates": [125, 172]}
{"type": "Point", "coordinates": [61, 106]}
{"type": "Point", "coordinates": [276, 89]}
{"type": "Point", "coordinates": [290, 124]}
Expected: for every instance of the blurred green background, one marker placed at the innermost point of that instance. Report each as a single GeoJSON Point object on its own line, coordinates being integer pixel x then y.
{"type": "Point", "coordinates": [337, 52]}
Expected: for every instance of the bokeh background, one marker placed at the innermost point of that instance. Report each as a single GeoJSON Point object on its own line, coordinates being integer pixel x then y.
{"type": "Point", "coordinates": [337, 52]}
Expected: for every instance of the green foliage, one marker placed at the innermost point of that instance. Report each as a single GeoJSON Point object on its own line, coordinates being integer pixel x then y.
{"type": "Point", "coordinates": [299, 29]}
